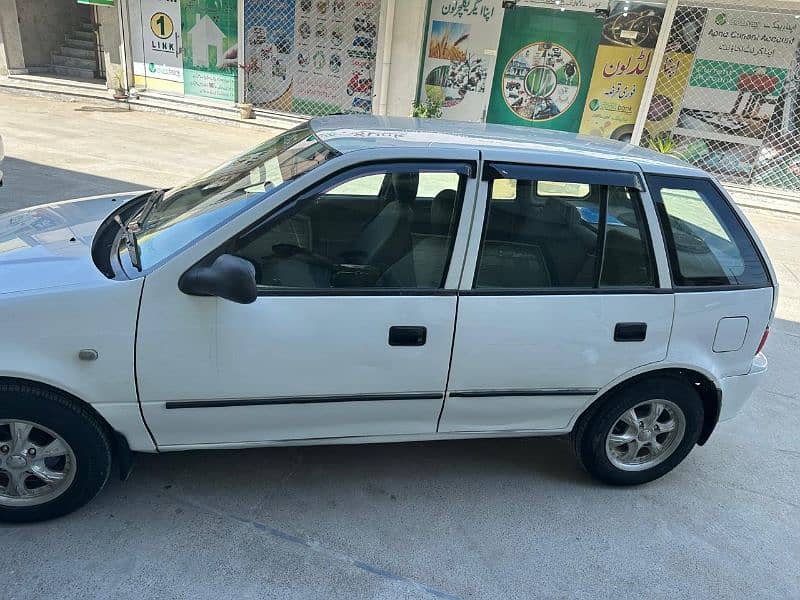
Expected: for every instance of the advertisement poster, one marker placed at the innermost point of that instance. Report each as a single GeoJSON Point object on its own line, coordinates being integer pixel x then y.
{"type": "Point", "coordinates": [161, 26]}
{"type": "Point", "coordinates": [269, 50]}
{"type": "Point", "coordinates": [460, 56]}
{"type": "Point", "coordinates": [543, 67]}
{"type": "Point", "coordinates": [740, 67]}
{"type": "Point", "coordinates": [675, 71]}
{"type": "Point", "coordinates": [741, 64]}
{"type": "Point", "coordinates": [210, 51]}
{"type": "Point", "coordinates": [620, 70]}
{"type": "Point", "coordinates": [311, 57]}
{"type": "Point", "coordinates": [336, 48]}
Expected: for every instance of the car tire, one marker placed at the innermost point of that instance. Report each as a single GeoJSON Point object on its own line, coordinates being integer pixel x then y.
{"type": "Point", "coordinates": [77, 439]}
{"type": "Point", "coordinates": [658, 441]}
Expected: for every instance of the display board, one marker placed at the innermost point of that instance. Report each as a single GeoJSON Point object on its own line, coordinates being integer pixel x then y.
{"type": "Point", "coordinates": [459, 60]}
{"type": "Point", "coordinates": [210, 48]}
{"type": "Point", "coordinates": [311, 57]}
{"type": "Point", "coordinates": [740, 67]}
{"type": "Point", "coordinates": [160, 28]}
{"type": "Point", "coordinates": [676, 68]}
{"type": "Point", "coordinates": [543, 69]}
{"type": "Point", "coordinates": [620, 70]}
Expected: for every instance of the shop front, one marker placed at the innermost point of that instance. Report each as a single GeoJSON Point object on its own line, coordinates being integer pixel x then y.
{"type": "Point", "coordinates": [185, 47]}
{"type": "Point", "coordinates": [311, 57]}
{"type": "Point", "coordinates": [726, 80]}
{"type": "Point", "coordinates": [727, 93]}
{"type": "Point", "coordinates": [573, 66]}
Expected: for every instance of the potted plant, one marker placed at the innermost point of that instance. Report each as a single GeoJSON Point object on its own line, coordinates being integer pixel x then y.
{"type": "Point", "coordinates": [665, 144]}
{"type": "Point", "coordinates": [246, 108]}
{"type": "Point", "coordinates": [431, 108]}
{"type": "Point", "coordinates": [119, 92]}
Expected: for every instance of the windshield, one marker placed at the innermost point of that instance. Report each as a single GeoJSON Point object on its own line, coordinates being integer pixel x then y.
{"type": "Point", "coordinates": [192, 210]}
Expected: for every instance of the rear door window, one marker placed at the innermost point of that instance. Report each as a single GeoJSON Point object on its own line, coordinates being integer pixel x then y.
{"type": "Point", "coordinates": [708, 246]}
{"type": "Point", "coordinates": [566, 234]}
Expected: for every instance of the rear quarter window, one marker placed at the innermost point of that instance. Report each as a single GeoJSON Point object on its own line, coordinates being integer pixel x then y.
{"type": "Point", "coordinates": [708, 245]}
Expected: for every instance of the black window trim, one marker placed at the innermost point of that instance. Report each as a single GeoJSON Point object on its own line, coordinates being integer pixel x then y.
{"type": "Point", "coordinates": [467, 168]}
{"type": "Point", "coordinates": [669, 241]}
{"type": "Point", "coordinates": [531, 172]}
{"type": "Point", "coordinates": [490, 174]}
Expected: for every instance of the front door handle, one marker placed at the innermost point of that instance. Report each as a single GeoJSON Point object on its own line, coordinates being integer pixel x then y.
{"type": "Point", "coordinates": [630, 332]}
{"type": "Point", "coordinates": [408, 336]}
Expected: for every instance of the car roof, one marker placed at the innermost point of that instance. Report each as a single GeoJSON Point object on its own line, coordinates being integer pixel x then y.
{"type": "Point", "coordinates": [349, 133]}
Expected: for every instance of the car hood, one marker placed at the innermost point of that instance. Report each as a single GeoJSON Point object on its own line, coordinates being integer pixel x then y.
{"type": "Point", "coordinates": [50, 245]}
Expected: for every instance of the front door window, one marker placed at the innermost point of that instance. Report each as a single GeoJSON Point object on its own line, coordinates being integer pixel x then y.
{"type": "Point", "coordinates": [386, 228]}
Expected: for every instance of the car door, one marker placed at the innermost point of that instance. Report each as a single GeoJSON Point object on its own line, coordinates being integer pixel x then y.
{"type": "Point", "coordinates": [348, 337]}
{"type": "Point", "coordinates": [560, 296]}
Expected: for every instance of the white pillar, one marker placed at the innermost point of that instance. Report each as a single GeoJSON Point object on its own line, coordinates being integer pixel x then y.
{"type": "Point", "coordinates": [384, 59]}
{"type": "Point", "coordinates": [240, 57]}
{"type": "Point", "coordinates": [12, 59]}
{"type": "Point", "coordinates": [655, 69]}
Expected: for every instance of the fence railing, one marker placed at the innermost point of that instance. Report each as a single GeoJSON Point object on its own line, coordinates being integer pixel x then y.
{"type": "Point", "coordinates": [727, 97]}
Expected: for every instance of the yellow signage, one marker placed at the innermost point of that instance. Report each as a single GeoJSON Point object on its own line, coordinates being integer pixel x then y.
{"type": "Point", "coordinates": [162, 26]}
{"type": "Point", "coordinates": [666, 103]}
{"type": "Point", "coordinates": [615, 92]}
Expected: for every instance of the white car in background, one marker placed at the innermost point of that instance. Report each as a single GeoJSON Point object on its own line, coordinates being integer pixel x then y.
{"type": "Point", "coordinates": [361, 280]}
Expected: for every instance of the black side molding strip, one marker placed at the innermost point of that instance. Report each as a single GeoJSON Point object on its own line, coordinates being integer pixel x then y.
{"type": "Point", "coordinates": [496, 393]}
{"type": "Point", "coordinates": [297, 400]}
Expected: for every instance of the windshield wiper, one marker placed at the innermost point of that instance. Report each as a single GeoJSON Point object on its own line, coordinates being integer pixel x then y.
{"type": "Point", "coordinates": [155, 198]}
{"type": "Point", "coordinates": [129, 232]}
{"type": "Point", "coordinates": [134, 225]}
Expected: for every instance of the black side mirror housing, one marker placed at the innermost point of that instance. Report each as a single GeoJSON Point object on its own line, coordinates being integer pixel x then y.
{"type": "Point", "coordinates": [228, 277]}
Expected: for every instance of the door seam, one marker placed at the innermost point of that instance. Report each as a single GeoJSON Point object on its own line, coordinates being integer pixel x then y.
{"type": "Point", "coordinates": [474, 206]}
{"type": "Point", "coordinates": [449, 367]}
{"type": "Point", "coordinates": [136, 367]}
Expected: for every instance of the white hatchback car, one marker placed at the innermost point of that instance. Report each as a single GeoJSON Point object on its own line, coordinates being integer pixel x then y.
{"type": "Point", "coordinates": [364, 279]}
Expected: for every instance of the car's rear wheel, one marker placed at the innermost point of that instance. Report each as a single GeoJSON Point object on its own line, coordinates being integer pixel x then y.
{"type": "Point", "coordinates": [55, 454]}
{"type": "Point", "coordinates": [641, 432]}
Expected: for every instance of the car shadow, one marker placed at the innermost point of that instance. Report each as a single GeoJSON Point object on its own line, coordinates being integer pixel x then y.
{"type": "Point", "coordinates": [453, 464]}
{"type": "Point", "coordinates": [27, 183]}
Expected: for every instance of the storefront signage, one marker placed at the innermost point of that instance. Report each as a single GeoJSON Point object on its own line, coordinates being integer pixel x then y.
{"type": "Point", "coordinates": [673, 77]}
{"type": "Point", "coordinates": [620, 70]}
{"type": "Point", "coordinates": [460, 56]}
{"type": "Point", "coordinates": [311, 57]}
{"type": "Point", "coordinates": [210, 52]}
{"type": "Point", "coordinates": [564, 5]}
{"type": "Point", "coordinates": [161, 25]}
{"type": "Point", "coordinates": [739, 70]}
{"type": "Point", "coordinates": [544, 65]}
{"type": "Point", "coordinates": [97, 2]}
{"type": "Point", "coordinates": [336, 48]}
{"type": "Point", "coordinates": [270, 52]}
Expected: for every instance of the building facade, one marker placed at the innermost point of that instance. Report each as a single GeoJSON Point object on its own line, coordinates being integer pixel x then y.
{"type": "Point", "coordinates": [714, 82]}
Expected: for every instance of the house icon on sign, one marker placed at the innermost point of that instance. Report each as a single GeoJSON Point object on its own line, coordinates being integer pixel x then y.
{"type": "Point", "coordinates": [207, 40]}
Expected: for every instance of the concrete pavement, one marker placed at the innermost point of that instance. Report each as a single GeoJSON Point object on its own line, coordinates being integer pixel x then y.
{"type": "Point", "coordinates": [477, 519]}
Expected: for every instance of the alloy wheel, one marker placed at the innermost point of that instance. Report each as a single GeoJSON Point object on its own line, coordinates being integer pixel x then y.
{"type": "Point", "coordinates": [645, 435]}
{"type": "Point", "coordinates": [36, 464]}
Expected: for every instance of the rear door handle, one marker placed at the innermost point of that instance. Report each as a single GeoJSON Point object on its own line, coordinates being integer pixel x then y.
{"type": "Point", "coordinates": [630, 332]}
{"type": "Point", "coordinates": [407, 336]}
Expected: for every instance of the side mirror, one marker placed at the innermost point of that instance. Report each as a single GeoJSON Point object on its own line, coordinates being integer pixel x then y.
{"type": "Point", "coordinates": [228, 277]}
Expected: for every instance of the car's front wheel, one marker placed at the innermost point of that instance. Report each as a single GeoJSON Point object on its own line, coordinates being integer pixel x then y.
{"type": "Point", "coordinates": [55, 455]}
{"type": "Point", "coordinates": [641, 432]}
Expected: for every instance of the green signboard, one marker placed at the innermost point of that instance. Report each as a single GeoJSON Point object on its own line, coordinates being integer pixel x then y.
{"type": "Point", "coordinates": [210, 42]}
{"type": "Point", "coordinates": [544, 65]}
{"type": "Point", "coordinates": [97, 2]}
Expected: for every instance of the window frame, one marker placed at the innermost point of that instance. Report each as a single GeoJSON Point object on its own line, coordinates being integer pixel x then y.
{"type": "Point", "coordinates": [630, 180]}
{"type": "Point", "coordinates": [465, 168]}
{"type": "Point", "coordinates": [718, 197]}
